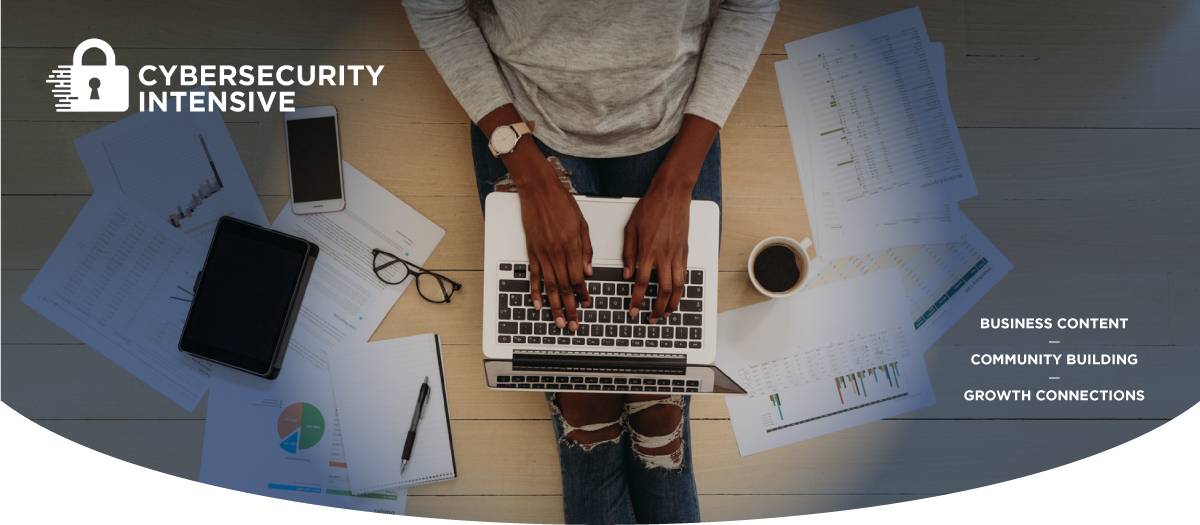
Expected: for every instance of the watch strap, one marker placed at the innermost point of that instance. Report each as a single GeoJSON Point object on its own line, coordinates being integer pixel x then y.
{"type": "Point", "coordinates": [521, 129]}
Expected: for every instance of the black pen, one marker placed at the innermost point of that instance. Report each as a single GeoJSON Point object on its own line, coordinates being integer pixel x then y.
{"type": "Point", "coordinates": [422, 398]}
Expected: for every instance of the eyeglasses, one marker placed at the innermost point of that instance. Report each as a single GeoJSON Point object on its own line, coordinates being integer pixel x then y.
{"type": "Point", "coordinates": [433, 287]}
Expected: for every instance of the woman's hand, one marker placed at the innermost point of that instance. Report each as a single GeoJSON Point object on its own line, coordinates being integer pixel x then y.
{"type": "Point", "coordinates": [556, 235]}
{"type": "Point", "coordinates": [558, 244]}
{"type": "Point", "coordinates": [656, 237]}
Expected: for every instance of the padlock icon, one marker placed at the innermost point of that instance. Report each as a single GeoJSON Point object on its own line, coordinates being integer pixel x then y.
{"type": "Point", "coordinates": [91, 88]}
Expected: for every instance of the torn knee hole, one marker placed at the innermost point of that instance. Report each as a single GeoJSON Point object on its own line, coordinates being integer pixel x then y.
{"type": "Point", "coordinates": [656, 426]}
{"type": "Point", "coordinates": [672, 447]}
{"type": "Point", "coordinates": [657, 420]}
{"type": "Point", "coordinates": [669, 456]}
{"type": "Point", "coordinates": [589, 424]}
{"type": "Point", "coordinates": [589, 439]}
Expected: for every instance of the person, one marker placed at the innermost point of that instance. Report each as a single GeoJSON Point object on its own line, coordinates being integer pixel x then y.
{"type": "Point", "coordinates": [615, 99]}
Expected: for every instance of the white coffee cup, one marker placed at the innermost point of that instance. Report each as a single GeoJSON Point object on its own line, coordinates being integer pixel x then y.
{"type": "Point", "coordinates": [803, 262]}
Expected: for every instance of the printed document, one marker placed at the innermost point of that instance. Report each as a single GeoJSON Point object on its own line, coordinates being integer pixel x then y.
{"type": "Point", "coordinates": [874, 138]}
{"type": "Point", "coordinates": [376, 386]}
{"type": "Point", "coordinates": [345, 301]}
{"type": "Point", "coordinates": [878, 80]}
{"type": "Point", "coordinates": [837, 234]}
{"type": "Point", "coordinates": [182, 167]}
{"type": "Point", "coordinates": [941, 281]}
{"type": "Point", "coordinates": [821, 361]}
{"type": "Point", "coordinates": [282, 439]}
{"type": "Point", "coordinates": [121, 282]}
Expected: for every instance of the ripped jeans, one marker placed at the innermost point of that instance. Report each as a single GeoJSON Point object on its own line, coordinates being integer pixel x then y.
{"type": "Point", "coordinates": [613, 479]}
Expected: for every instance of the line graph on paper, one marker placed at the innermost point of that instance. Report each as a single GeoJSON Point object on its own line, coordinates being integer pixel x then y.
{"type": "Point", "coordinates": [176, 183]}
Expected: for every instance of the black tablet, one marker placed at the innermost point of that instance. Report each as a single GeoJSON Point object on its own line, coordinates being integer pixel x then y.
{"type": "Point", "coordinates": [247, 297]}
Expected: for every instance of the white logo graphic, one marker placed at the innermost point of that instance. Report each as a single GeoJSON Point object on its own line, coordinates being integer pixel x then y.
{"type": "Point", "coordinates": [90, 88]}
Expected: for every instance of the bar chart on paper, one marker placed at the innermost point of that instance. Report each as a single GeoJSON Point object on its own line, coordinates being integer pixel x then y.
{"type": "Point", "coordinates": [838, 402]}
{"type": "Point", "coordinates": [861, 381]}
{"type": "Point", "coordinates": [845, 393]}
{"type": "Point", "coordinates": [823, 363]}
{"type": "Point", "coordinates": [849, 363]}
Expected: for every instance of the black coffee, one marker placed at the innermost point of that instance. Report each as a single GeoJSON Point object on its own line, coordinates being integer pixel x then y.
{"type": "Point", "coordinates": [776, 268]}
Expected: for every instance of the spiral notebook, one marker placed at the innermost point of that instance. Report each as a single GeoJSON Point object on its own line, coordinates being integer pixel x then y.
{"type": "Point", "coordinates": [375, 387]}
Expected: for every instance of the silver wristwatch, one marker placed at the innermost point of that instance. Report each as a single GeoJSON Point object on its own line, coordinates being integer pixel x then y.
{"type": "Point", "coordinates": [504, 138]}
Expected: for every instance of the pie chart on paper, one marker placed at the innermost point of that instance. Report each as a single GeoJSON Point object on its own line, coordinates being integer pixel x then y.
{"type": "Point", "coordinates": [300, 426]}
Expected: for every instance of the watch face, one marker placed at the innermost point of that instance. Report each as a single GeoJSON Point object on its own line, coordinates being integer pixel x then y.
{"type": "Point", "coordinates": [504, 139]}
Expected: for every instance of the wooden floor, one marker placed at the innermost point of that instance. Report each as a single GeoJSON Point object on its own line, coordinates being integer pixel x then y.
{"type": "Point", "coordinates": [1080, 117]}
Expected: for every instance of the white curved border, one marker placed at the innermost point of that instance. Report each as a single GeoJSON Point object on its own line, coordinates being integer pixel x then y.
{"type": "Point", "coordinates": [48, 476]}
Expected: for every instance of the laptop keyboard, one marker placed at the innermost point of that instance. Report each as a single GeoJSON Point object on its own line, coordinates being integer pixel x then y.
{"type": "Point", "coordinates": [606, 324]}
{"type": "Point", "coordinates": [593, 383]}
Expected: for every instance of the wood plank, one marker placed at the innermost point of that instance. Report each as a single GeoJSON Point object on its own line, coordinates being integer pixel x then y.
{"type": "Point", "coordinates": [1017, 70]}
{"type": "Point", "coordinates": [1078, 63]}
{"type": "Point", "coordinates": [1030, 27]}
{"type": "Point", "coordinates": [46, 162]}
{"type": "Point", "coordinates": [1040, 235]}
{"type": "Point", "coordinates": [985, 91]}
{"type": "Point", "coordinates": [274, 24]}
{"type": "Point", "coordinates": [22, 324]}
{"type": "Point", "coordinates": [1142, 297]}
{"type": "Point", "coordinates": [361, 25]}
{"type": "Point", "coordinates": [1184, 304]}
{"type": "Point", "coordinates": [1054, 164]}
{"type": "Point", "coordinates": [409, 159]}
{"type": "Point", "coordinates": [747, 221]}
{"type": "Point", "coordinates": [74, 382]}
{"type": "Point", "coordinates": [903, 456]}
{"type": "Point", "coordinates": [519, 457]}
{"type": "Point", "coordinates": [713, 507]}
{"type": "Point", "coordinates": [1104, 237]}
{"type": "Point", "coordinates": [434, 159]}
{"type": "Point", "coordinates": [1042, 207]}
{"type": "Point", "coordinates": [1093, 165]}
{"type": "Point", "coordinates": [799, 19]}
{"type": "Point", "coordinates": [28, 247]}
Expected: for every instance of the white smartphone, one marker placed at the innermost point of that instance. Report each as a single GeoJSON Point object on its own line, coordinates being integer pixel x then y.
{"type": "Point", "coordinates": [314, 154]}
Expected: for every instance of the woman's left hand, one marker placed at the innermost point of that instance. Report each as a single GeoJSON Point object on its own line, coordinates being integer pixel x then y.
{"type": "Point", "coordinates": [656, 237]}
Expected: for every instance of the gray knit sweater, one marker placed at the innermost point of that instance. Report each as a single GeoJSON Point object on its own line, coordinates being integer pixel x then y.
{"type": "Point", "coordinates": [600, 79]}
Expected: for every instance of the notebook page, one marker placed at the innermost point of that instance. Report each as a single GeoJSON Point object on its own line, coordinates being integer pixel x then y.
{"type": "Point", "coordinates": [376, 386]}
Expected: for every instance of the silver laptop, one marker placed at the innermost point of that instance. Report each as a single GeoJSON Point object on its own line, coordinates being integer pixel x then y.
{"type": "Point", "coordinates": [610, 352]}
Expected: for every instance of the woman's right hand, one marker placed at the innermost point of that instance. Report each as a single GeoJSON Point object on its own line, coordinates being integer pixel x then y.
{"type": "Point", "coordinates": [556, 236]}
